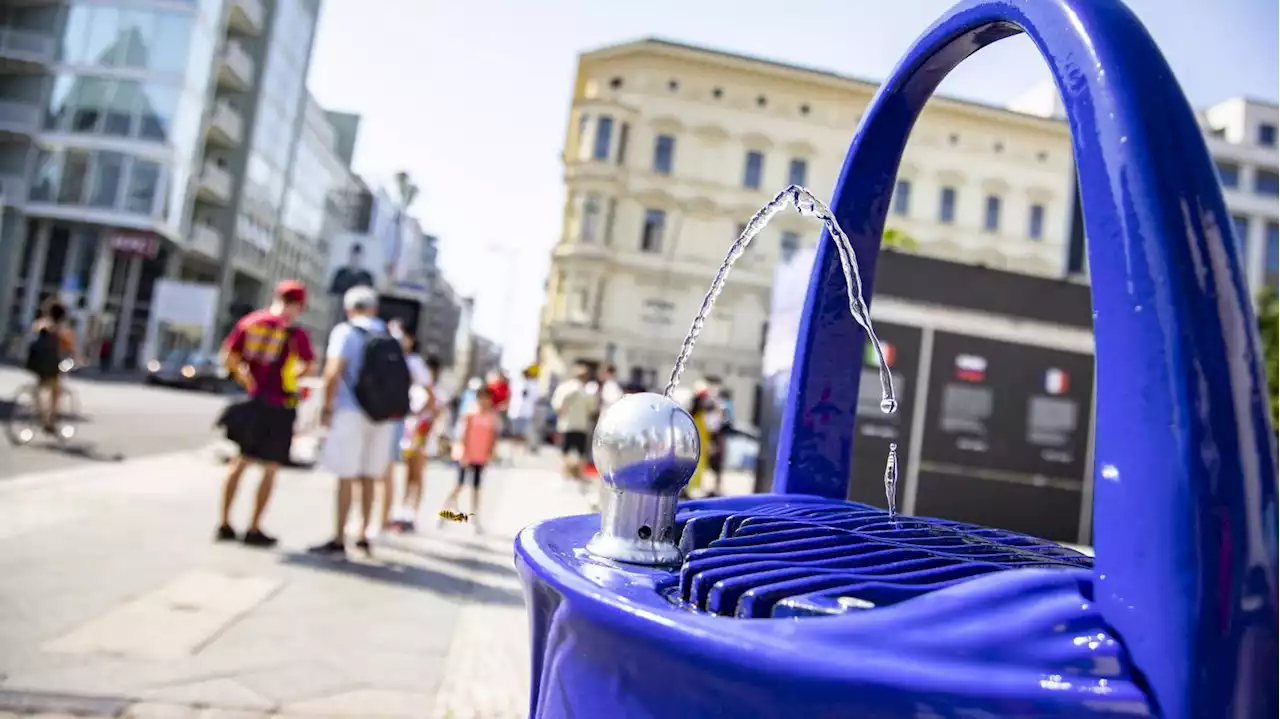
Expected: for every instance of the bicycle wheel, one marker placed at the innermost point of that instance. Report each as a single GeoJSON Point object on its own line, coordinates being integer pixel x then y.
{"type": "Point", "coordinates": [24, 421]}
{"type": "Point", "coordinates": [68, 417]}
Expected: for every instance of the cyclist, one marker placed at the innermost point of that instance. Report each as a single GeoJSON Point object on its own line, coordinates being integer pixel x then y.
{"type": "Point", "coordinates": [54, 340]}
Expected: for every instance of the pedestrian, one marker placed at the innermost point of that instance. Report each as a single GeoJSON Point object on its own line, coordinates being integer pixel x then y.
{"type": "Point", "coordinates": [477, 440]}
{"type": "Point", "coordinates": [500, 392]}
{"type": "Point", "coordinates": [610, 389]}
{"type": "Point", "coordinates": [575, 406]}
{"type": "Point", "coordinates": [366, 390]}
{"type": "Point", "coordinates": [255, 354]}
{"type": "Point", "coordinates": [410, 439]}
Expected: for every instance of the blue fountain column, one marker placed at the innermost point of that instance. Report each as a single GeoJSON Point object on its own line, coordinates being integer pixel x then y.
{"type": "Point", "coordinates": [1185, 496]}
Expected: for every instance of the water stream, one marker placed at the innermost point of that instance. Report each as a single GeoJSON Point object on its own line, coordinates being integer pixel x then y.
{"type": "Point", "coordinates": [806, 204]}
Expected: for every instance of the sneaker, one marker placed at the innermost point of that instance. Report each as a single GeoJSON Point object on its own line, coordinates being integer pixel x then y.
{"type": "Point", "coordinates": [408, 526]}
{"type": "Point", "coordinates": [256, 538]}
{"type": "Point", "coordinates": [328, 549]}
{"type": "Point", "coordinates": [364, 546]}
{"type": "Point", "coordinates": [226, 534]}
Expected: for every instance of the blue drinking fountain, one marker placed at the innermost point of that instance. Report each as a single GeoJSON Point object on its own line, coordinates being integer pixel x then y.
{"type": "Point", "coordinates": [802, 604]}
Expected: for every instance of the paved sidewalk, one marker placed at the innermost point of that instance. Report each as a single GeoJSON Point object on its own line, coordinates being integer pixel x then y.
{"type": "Point", "coordinates": [114, 601]}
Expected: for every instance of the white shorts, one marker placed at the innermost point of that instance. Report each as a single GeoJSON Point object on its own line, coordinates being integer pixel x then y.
{"type": "Point", "coordinates": [357, 446]}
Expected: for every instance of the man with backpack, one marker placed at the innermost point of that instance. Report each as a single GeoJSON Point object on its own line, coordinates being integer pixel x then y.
{"type": "Point", "coordinates": [365, 396]}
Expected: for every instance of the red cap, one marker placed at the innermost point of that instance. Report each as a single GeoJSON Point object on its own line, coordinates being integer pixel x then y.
{"type": "Point", "coordinates": [292, 291]}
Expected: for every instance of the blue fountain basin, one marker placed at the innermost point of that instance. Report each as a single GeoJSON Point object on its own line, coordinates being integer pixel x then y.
{"type": "Point", "coordinates": [802, 606]}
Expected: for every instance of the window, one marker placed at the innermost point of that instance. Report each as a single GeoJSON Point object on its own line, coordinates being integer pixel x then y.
{"type": "Point", "coordinates": [1273, 252]}
{"type": "Point", "coordinates": [991, 221]}
{"type": "Point", "coordinates": [1267, 134]}
{"type": "Point", "coordinates": [902, 197]}
{"type": "Point", "coordinates": [144, 180]}
{"type": "Point", "coordinates": [172, 40]}
{"type": "Point", "coordinates": [106, 179]}
{"type": "Point", "coordinates": [1228, 174]}
{"type": "Point", "coordinates": [797, 172]}
{"type": "Point", "coordinates": [1266, 183]}
{"type": "Point", "coordinates": [75, 178]}
{"type": "Point", "coordinates": [121, 108]}
{"type": "Point", "coordinates": [101, 47]}
{"type": "Point", "coordinates": [623, 134]}
{"type": "Point", "coordinates": [1240, 226]}
{"type": "Point", "coordinates": [651, 237]}
{"type": "Point", "coordinates": [751, 174]}
{"type": "Point", "coordinates": [604, 134]}
{"type": "Point", "coordinates": [92, 99]}
{"type": "Point", "coordinates": [663, 149]}
{"type": "Point", "coordinates": [158, 105]}
{"type": "Point", "coordinates": [591, 218]}
{"type": "Point", "coordinates": [137, 32]}
{"type": "Point", "coordinates": [118, 118]}
{"type": "Point", "coordinates": [608, 220]}
{"type": "Point", "coordinates": [788, 245]}
{"type": "Point", "coordinates": [947, 205]}
{"type": "Point", "coordinates": [583, 119]}
{"type": "Point", "coordinates": [1035, 222]}
{"type": "Point", "coordinates": [48, 174]}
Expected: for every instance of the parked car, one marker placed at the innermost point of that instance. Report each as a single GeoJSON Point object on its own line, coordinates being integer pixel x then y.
{"type": "Point", "coordinates": [190, 369]}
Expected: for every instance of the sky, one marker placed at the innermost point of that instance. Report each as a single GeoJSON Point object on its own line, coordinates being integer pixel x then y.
{"type": "Point", "coordinates": [472, 98]}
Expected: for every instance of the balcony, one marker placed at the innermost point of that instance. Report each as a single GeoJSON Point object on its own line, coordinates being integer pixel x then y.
{"type": "Point", "coordinates": [582, 251]}
{"type": "Point", "coordinates": [235, 68]}
{"type": "Point", "coordinates": [245, 16]}
{"type": "Point", "coordinates": [13, 190]}
{"type": "Point", "coordinates": [562, 332]}
{"type": "Point", "coordinates": [215, 184]}
{"type": "Point", "coordinates": [25, 47]}
{"type": "Point", "coordinates": [226, 128]}
{"type": "Point", "coordinates": [19, 118]}
{"type": "Point", "coordinates": [206, 241]}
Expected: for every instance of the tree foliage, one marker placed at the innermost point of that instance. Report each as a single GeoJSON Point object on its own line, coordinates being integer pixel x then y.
{"type": "Point", "coordinates": [1267, 329]}
{"type": "Point", "coordinates": [897, 239]}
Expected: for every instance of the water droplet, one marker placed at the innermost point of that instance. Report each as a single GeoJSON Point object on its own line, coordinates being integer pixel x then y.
{"type": "Point", "coordinates": [891, 480]}
{"type": "Point", "coordinates": [888, 405]}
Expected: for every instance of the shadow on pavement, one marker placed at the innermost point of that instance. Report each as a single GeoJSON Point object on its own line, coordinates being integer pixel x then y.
{"type": "Point", "coordinates": [77, 450]}
{"type": "Point", "coordinates": [391, 572]}
{"type": "Point", "coordinates": [470, 564]}
{"type": "Point", "coordinates": [6, 412]}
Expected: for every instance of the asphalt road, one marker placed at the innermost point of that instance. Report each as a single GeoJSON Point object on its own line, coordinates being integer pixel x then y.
{"type": "Point", "coordinates": [123, 419]}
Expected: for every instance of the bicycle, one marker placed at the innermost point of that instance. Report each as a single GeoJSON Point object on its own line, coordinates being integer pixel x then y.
{"type": "Point", "coordinates": [24, 423]}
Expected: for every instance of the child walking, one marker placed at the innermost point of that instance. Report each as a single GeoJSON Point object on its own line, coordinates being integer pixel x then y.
{"type": "Point", "coordinates": [477, 440]}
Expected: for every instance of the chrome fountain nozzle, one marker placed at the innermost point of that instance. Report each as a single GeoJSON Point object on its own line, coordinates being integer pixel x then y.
{"type": "Point", "coordinates": [646, 449]}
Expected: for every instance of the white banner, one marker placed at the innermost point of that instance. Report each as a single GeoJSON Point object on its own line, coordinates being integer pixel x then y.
{"type": "Point", "coordinates": [786, 305]}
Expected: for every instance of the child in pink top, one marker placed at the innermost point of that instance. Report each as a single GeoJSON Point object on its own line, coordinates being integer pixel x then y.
{"type": "Point", "coordinates": [479, 437]}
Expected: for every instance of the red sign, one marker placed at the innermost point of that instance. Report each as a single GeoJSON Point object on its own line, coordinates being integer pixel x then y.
{"type": "Point", "coordinates": [139, 244]}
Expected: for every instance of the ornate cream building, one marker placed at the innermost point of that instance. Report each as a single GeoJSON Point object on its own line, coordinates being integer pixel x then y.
{"type": "Point", "coordinates": [670, 149]}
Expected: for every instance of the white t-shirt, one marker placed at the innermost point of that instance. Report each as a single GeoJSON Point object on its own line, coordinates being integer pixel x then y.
{"type": "Point", "coordinates": [420, 392]}
{"type": "Point", "coordinates": [610, 392]}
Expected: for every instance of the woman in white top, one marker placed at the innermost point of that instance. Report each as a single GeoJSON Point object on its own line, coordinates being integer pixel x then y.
{"type": "Point", "coordinates": [410, 439]}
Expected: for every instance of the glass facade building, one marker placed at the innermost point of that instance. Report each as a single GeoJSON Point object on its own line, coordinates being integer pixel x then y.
{"type": "Point", "coordinates": [142, 140]}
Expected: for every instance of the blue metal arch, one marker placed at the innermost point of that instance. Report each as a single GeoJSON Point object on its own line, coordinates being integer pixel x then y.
{"type": "Point", "coordinates": [1185, 502]}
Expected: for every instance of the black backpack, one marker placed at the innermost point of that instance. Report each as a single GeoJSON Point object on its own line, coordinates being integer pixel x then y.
{"type": "Point", "coordinates": [382, 385]}
{"type": "Point", "coordinates": [44, 354]}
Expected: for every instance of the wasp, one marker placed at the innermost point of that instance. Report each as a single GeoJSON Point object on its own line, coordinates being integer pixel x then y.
{"type": "Point", "coordinates": [455, 516]}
